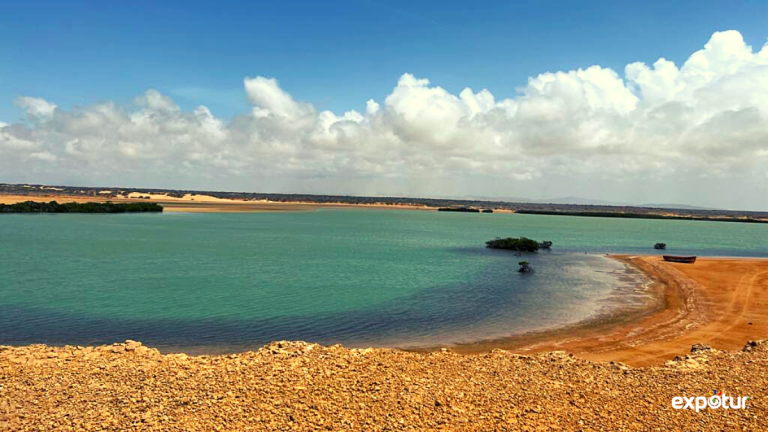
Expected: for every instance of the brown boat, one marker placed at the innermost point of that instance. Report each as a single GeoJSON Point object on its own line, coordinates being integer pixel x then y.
{"type": "Point", "coordinates": [680, 259]}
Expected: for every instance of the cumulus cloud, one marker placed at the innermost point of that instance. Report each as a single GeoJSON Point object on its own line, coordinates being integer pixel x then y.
{"type": "Point", "coordinates": [36, 108]}
{"type": "Point", "coordinates": [704, 119]}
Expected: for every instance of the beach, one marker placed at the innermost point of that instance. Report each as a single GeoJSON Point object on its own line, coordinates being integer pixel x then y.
{"type": "Point", "coordinates": [716, 301]}
{"type": "Point", "coordinates": [205, 203]}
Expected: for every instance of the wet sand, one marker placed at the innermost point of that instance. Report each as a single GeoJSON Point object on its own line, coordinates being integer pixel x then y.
{"type": "Point", "coordinates": [721, 302]}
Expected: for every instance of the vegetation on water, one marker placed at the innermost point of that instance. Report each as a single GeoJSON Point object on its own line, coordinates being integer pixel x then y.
{"type": "Point", "coordinates": [521, 244]}
{"type": "Point", "coordinates": [465, 209]}
{"type": "Point", "coordinates": [459, 209]}
{"type": "Point", "coordinates": [525, 267]}
{"type": "Point", "coordinates": [72, 207]}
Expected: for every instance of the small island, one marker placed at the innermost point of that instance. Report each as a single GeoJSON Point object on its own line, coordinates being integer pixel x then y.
{"type": "Point", "coordinates": [521, 244]}
{"type": "Point", "coordinates": [459, 209]}
{"type": "Point", "coordinates": [73, 207]}
{"type": "Point", "coordinates": [465, 209]}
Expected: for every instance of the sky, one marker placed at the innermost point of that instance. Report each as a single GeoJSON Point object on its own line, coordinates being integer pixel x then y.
{"type": "Point", "coordinates": [635, 102]}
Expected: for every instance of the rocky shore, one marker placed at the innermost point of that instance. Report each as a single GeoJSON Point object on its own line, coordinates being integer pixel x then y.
{"type": "Point", "coordinates": [301, 386]}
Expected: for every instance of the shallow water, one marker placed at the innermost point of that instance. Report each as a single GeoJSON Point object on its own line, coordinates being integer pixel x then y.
{"type": "Point", "coordinates": [223, 282]}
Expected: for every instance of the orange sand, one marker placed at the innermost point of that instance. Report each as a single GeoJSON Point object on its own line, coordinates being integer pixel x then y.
{"type": "Point", "coordinates": [721, 302]}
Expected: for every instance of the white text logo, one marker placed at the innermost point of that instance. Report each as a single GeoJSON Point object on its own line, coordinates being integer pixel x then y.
{"type": "Point", "coordinates": [716, 399]}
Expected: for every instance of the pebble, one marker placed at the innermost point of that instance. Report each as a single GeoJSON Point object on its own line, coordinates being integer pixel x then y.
{"type": "Point", "coordinates": [304, 386]}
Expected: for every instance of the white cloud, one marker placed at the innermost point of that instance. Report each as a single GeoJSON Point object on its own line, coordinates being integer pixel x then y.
{"type": "Point", "coordinates": [36, 108]}
{"type": "Point", "coordinates": [154, 101]}
{"type": "Point", "coordinates": [371, 107]}
{"type": "Point", "coordinates": [269, 98]}
{"type": "Point", "coordinates": [44, 156]}
{"type": "Point", "coordinates": [707, 119]}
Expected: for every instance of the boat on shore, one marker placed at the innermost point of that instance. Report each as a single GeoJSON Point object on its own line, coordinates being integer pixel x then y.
{"type": "Point", "coordinates": [680, 259]}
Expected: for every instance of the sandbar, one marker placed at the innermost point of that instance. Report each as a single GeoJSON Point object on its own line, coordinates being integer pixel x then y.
{"type": "Point", "coordinates": [205, 203]}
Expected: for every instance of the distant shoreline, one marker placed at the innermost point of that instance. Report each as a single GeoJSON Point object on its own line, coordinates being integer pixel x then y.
{"type": "Point", "coordinates": [204, 204]}
{"type": "Point", "coordinates": [218, 201]}
{"type": "Point", "coordinates": [209, 204]}
{"type": "Point", "coordinates": [642, 216]}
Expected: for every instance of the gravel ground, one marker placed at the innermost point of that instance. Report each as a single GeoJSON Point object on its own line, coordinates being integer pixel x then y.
{"type": "Point", "coordinates": [299, 386]}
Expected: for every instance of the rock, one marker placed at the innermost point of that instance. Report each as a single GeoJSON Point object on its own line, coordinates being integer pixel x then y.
{"type": "Point", "coordinates": [619, 365]}
{"type": "Point", "coordinates": [700, 347]}
{"type": "Point", "coordinates": [750, 345]}
{"type": "Point", "coordinates": [313, 387]}
{"type": "Point", "coordinates": [131, 345]}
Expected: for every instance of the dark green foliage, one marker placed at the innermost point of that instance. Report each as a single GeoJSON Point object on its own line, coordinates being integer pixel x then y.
{"type": "Point", "coordinates": [91, 207]}
{"type": "Point", "coordinates": [459, 209]}
{"type": "Point", "coordinates": [521, 244]}
{"type": "Point", "coordinates": [524, 267]}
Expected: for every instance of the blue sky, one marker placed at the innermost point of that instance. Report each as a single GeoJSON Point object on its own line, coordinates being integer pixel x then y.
{"type": "Point", "coordinates": [632, 102]}
{"type": "Point", "coordinates": [334, 54]}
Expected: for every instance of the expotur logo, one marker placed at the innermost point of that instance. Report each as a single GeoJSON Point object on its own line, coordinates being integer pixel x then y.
{"type": "Point", "coordinates": [716, 399]}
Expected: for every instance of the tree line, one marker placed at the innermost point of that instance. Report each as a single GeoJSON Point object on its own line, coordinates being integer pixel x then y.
{"type": "Point", "coordinates": [73, 207]}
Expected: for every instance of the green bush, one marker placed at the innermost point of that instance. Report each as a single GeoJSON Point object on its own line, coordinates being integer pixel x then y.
{"type": "Point", "coordinates": [521, 244]}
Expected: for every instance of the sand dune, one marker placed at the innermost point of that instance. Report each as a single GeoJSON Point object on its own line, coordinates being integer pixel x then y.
{"type": "Point", "coordinates": [203, 203]}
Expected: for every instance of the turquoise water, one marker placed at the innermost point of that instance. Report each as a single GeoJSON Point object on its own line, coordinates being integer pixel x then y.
{"type": "Point", "coordinates": [358, 276]}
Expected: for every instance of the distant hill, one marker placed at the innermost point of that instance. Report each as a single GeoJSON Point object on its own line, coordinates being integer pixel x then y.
{"type": "Point", "coordinates": [596, 202]}
{"type": "Point", "coordinates": [677, 206]}
{"type": "Point", "coordinates": [579, 201]}
{"type": "Point", "coordinates": [489, 198]}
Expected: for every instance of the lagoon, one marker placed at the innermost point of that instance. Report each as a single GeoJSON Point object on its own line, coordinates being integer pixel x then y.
{"type": "Point", "coordinates": [216, 282]}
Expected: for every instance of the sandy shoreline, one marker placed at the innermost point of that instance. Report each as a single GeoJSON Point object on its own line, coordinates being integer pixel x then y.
{"type": "Point", "coordinates": [716, 301]}
{"type": "Point", "coordinates": [206, 204]}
